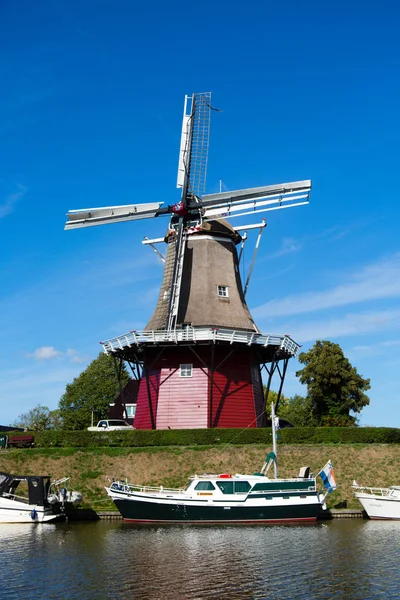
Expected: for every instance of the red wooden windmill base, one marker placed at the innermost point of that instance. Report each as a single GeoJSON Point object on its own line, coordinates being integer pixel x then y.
{"type": "Point", "coordinates": [188, 386]}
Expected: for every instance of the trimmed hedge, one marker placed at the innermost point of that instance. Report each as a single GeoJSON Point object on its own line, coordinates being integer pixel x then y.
{"type": "Point", "coordinates": [212, 437]}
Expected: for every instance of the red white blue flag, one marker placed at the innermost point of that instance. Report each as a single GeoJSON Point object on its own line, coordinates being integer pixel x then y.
{"type": "Point", "coordinates": [327, 475]}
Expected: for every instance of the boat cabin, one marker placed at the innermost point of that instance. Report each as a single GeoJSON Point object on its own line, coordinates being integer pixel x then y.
{"type": "Point", "coordinates": [226, 484]}
{"type": "Point", "coordinates": [31, 489]}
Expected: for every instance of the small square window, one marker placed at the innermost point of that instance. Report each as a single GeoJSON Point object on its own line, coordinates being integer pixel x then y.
{"type": "Point", "coordinates": [186, 370]}
{"type": "Point", "coordinates": [223, 291]}
{"type": "Point", "coordinates": [130, 410]}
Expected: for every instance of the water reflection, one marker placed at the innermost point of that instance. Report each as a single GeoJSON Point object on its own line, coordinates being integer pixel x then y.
{"type": "Point", "coordinates": [348, 560]}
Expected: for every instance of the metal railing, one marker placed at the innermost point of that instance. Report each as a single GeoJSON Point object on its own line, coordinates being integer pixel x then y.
{"type": "Point", "coordinates": [373, 490]}
{"type": "Point", "coordinates": [200, 334]}
{"type": "Point", "coordinates": [128, 488]}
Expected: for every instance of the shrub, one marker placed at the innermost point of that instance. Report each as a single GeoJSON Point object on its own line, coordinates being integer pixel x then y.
{"type": "Point", "coordinates": [213, 437]}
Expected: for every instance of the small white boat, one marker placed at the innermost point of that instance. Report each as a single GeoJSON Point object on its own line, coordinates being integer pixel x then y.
{"type": "Point", "coordinates": [379, 503]}
{"type": "Point", "coordinates": [60, 495]}
{"type": "Point", "coordinates": [23, 499]}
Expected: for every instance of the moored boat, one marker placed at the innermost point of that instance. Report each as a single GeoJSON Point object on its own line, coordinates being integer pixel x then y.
{"type": "Point", "coordinates": [60, 495]}
{"type": "Point", "coordinates": [379, 503]}
{"type": "Point", "coordinates": [23, 499]}
{"type": "Point", "coordinates": [226, 498]}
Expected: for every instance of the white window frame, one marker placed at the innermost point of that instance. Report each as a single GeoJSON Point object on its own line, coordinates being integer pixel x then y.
{"type": "Point", "coordinates": [186, 370]}
{"type": "Point", "coordinates": [223, 291]}
{"type": "Point", "coordinates": [130, 408]}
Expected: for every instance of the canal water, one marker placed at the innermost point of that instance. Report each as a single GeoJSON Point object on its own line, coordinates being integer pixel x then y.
{"type": "Point", "coordinates": [343, 559]}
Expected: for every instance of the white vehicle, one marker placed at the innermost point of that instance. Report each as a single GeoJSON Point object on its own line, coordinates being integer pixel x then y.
{"type": "Point", "coordinates": [111, 425]}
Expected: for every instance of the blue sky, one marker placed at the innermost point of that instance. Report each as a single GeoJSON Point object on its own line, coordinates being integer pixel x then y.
{"type": "Point", "coordinates": [90, 114]}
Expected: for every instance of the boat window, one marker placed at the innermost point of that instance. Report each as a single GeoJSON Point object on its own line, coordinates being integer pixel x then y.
{"type": "Point", "coordinates": [204, 485]}
{"type": "Point", "coordinates": [242, 487]}
{"type": "Point", "coordinates": [226, 487]}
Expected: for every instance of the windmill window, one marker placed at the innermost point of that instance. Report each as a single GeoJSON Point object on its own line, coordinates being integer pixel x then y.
{"type": "Point", "coordinates": [166, 295]}
{"type": "Point", "coordinates": [223, 291]}
{"type": "Point", "coordinates": [186, 370]}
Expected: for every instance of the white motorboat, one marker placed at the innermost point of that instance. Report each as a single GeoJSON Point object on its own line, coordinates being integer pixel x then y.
{"type": "Point", "coordinates": [23, 499]}
{"type": "Point", "coordinates": [379, 503]}
{"type": "Point", "coordinates": [60, 495]}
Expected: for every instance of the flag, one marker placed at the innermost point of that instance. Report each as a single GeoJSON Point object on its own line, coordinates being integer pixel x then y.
{"type": "Point", "coordinates": [328, 477]}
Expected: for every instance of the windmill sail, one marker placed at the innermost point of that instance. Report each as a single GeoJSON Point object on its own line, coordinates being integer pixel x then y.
{"type": "Point", "coordinates": [195, 138]}
{"type": "Point", "coordinates": [88, 217]}
{"type": "Point", "coordinates": [260, 199]}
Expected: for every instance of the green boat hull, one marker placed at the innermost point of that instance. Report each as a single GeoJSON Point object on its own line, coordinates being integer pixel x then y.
{"type": "Point", "coordinates": [153, 512]}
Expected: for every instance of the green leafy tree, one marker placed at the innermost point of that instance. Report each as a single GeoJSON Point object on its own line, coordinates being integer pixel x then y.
{"type": "Point", "coordinates": [297, 410]}
{"type": "Point", "coordinates": [334, 386]}
{"type": "Point", "coordinates": [36, 419]}
{"type": "Point", "coordinates": [91, 393]}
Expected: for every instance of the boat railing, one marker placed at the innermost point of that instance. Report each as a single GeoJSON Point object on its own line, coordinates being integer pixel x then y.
{"type": "Point", "coordinates": [128, 488]}
{"type": "Point", "coordinates": [15, 497]}
{"type": "Point", "coordinates": [372, 490]}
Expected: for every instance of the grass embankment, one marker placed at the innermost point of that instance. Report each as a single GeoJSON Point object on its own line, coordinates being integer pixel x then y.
{"type": "Point", "coordinates": [374, 465]}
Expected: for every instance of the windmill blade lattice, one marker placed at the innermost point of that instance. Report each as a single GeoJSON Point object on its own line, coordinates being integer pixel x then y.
{"type": "Point", "coordinates": [192, 171]}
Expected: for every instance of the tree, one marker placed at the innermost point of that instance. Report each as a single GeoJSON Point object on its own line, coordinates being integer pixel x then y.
{"type": "Point", "coordinates": [37, 419]}
{"type": "Point", "coordinates": [91, 393]}
{"type": "Point", "coordinates": [297, 410]}
{"type": "Point", "coordinates": [334, 386]}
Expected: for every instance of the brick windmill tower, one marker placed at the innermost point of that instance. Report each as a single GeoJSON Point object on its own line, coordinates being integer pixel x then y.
{"type": "Point", "coordinates": [199, 361]}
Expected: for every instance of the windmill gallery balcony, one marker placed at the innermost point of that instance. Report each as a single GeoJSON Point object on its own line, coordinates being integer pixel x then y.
{"type": "Point", "coordinates": [269, 344]}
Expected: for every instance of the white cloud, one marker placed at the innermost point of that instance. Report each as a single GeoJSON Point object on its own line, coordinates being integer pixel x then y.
{"type": "Point", "coordinates": [345, 325]}
{"type": "Point", "coordinates": [375, 281]}
{"type": "Point", "coordinates": [75, 357]}
{"type": "Point", "coordinates": [289, 246]}
{"type": "Point", "coordinates": [49, 352]}
{"type": "Point", "coordinates": [45, 353]}
{"type": "Point", "coordinates": [8, 205]}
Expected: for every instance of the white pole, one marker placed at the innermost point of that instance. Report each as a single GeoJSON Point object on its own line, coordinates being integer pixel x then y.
{"type": "Point", "coordinates": [274, 440]}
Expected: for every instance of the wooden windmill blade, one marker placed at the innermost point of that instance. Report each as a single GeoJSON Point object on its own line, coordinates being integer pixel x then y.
{"type": "Point", "coordinates": [195, 138]}
{"type": "Point", "coordinates": [192, 171]}
{"type": "Point", "coordinates": [88, 217]}
{"type": "Point", "coordinates": [260, 199]}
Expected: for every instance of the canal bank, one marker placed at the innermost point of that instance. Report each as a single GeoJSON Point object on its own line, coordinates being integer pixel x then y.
{"type": "Point", "coordinates": [91, 469]}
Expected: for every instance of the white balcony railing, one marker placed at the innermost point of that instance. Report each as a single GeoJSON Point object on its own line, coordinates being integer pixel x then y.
{"type": "Point", "coordinates": [199, 334]}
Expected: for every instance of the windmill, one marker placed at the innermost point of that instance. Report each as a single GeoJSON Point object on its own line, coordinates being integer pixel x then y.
{"type": "Point", "coordinates": [200, 359]}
